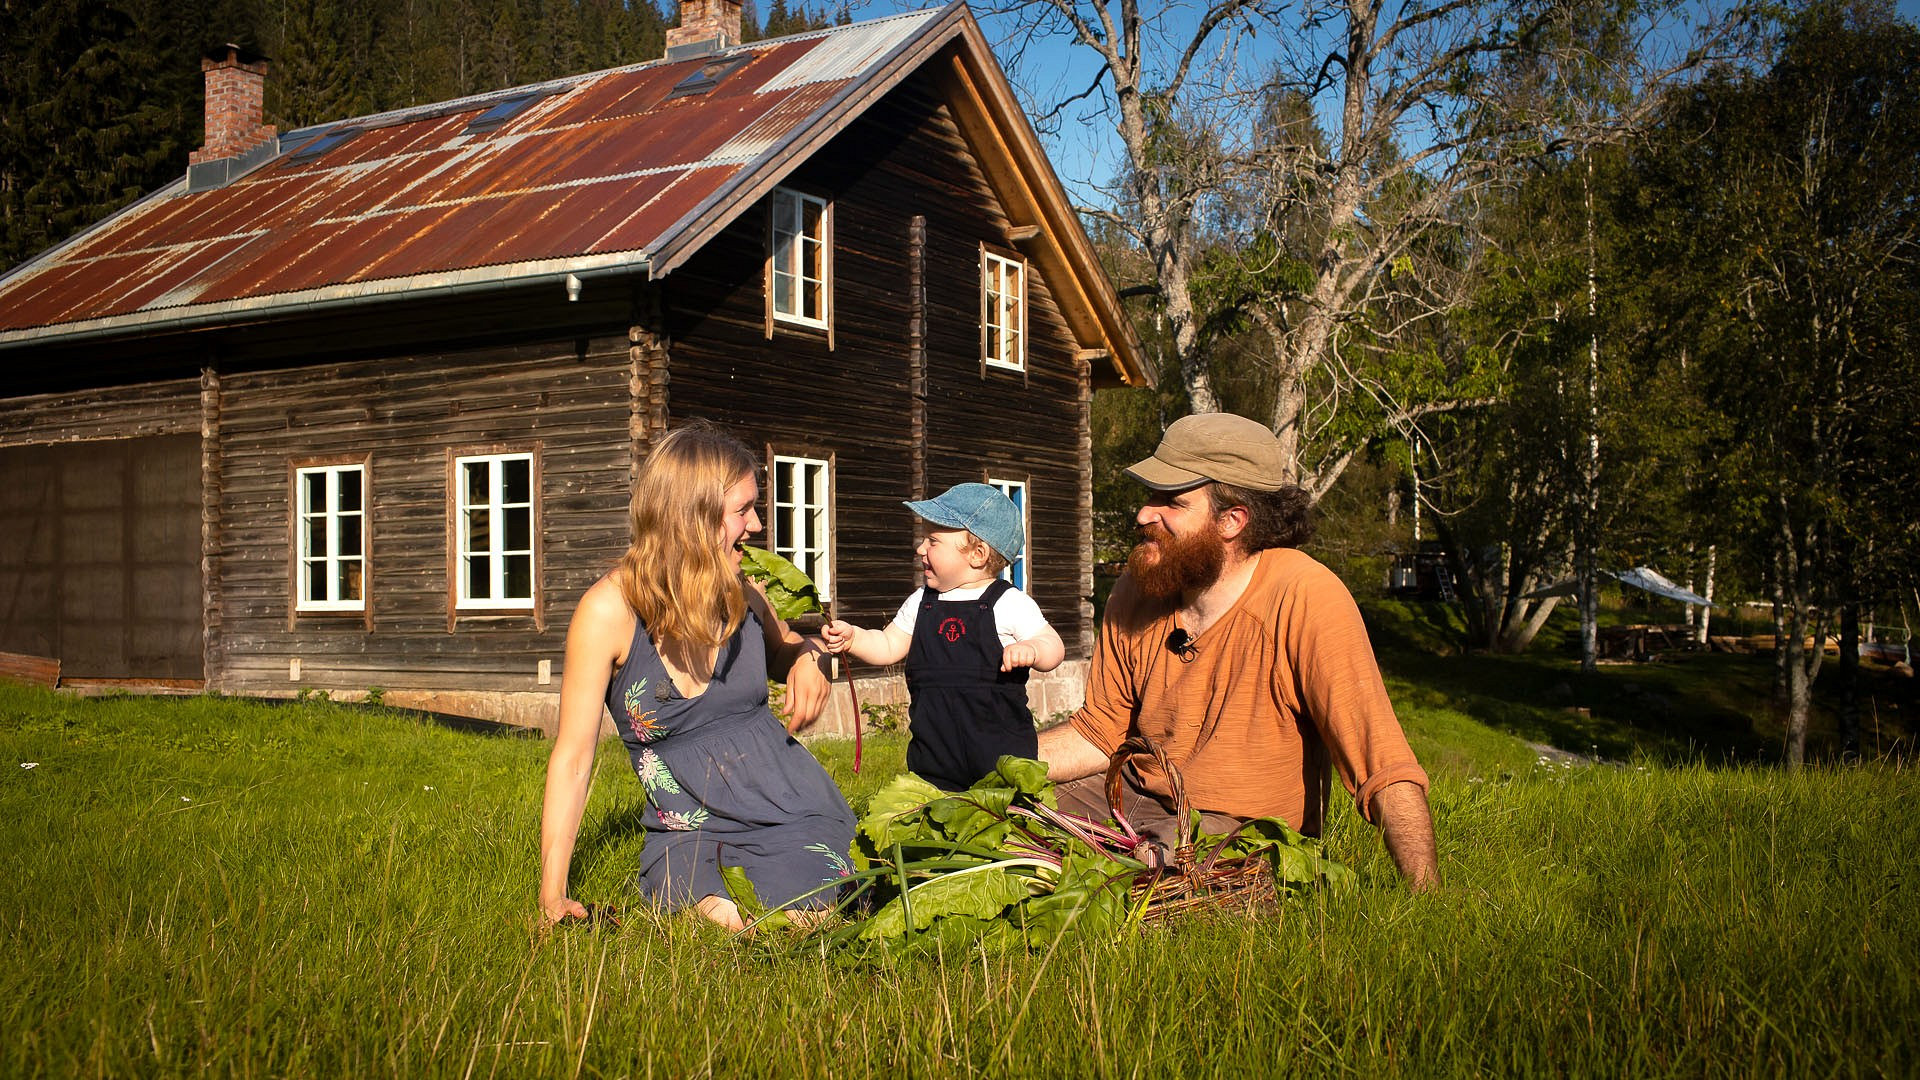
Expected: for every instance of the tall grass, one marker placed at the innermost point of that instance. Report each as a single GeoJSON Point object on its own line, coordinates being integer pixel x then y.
{"type": "Point", "coordinates": [210, 886]}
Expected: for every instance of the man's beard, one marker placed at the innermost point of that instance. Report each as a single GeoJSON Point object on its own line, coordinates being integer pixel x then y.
{"type": "Point", "coordinates": [1174, 564]}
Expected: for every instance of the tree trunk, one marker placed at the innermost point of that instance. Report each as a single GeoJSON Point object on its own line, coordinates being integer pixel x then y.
{"type": "Point", "coordinates": [1799, 686]}
{"type": "Point", "coordinates": [1589, 586]}
{"type": "Point", "coordinates": [1706, 613]}
{"type": "Point", "coordinates": [1849, 681]}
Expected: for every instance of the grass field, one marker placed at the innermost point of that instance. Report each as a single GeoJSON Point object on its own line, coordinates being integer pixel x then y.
{"type": "Point", "coordinates": [212, 886]}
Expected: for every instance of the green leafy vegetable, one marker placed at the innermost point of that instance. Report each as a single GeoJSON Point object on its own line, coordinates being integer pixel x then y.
{"type": "Point", "coordinates": [791, 592]}
{"type": "Point", "coordinates": [1000, 866]}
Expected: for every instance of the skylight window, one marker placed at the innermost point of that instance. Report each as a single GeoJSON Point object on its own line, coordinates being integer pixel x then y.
{"type": "Point", "coordinates": [313, 148]}
{"type": "Point", "coordinates": [502, 112]}
{"type": "Point", "coordinates": [708, 76]}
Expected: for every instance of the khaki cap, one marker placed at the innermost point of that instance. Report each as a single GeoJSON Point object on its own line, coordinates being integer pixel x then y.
{"type": "Point", "coordinates": [1214, 446]}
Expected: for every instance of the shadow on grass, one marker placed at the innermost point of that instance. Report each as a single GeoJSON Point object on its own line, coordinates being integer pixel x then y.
{"type": "Point", "coordinates": [468, 725]}
{"type": "Point", "coordinates": [1693, 707]}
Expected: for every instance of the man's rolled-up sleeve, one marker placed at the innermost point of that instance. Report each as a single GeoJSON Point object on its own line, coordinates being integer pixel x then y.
{"type": "Point", "coordinates": [1340, 686]}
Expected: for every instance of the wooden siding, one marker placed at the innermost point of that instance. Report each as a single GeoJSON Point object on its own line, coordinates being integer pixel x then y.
{"type": "Point", "coordinates": [169, 407]}
{"type": "Point", "coordinates": [567, 402]}
{"type": "Point", "coordinates": [853, 398]}
{"type": "Point", "coordinates": [100, 557]}
{"type": "Point", "coordinates": [103, 466]}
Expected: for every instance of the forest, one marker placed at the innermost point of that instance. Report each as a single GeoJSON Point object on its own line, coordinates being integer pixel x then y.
{"type": "Point", "coordinates": [1558, 289]}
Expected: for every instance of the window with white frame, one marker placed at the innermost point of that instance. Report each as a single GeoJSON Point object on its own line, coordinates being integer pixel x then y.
{"type": "Point", "coordinates": [494, 520]}
{"type": "Point", "coordinates": [1003, 311]}
{"type": "Point", "coordinates": [802, 525]}
{"type": "Point", "coordinates": [331, 537]}
{"type": "Point", "coordinates": [1016, 490]}
{"type": "Point", "coordinates": [800, 264]}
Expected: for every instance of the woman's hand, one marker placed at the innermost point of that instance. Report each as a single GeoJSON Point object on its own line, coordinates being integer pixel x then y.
{"type": "Point", "coordinates": [807, 691]}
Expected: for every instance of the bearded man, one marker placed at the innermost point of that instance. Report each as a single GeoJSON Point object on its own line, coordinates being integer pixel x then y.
{"type": "Point", "coordinates": [1243, 657]}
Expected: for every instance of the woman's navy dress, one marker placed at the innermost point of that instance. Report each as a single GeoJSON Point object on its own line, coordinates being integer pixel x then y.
{"type": "Point", "coordinates": [726, 785]}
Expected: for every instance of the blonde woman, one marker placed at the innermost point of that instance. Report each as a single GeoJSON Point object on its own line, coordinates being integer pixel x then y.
{"type": "Point", "coordinates": [677, 644]}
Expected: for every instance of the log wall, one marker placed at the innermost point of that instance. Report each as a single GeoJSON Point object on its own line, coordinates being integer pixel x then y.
{"type": "Point", "coordinates": [407, 416]}
{"type": "Point", "coordinates": [911, 208]}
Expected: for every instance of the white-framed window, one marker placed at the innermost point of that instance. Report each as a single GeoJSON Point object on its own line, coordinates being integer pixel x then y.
{"type": "Point", "coordinates": [800, 262]}
{"type": "Point", "coordinates": [1003, 311]}
{"type": "Point", "coordinates": [802, 526]}
{"type": "Point", "coordinates": [330, 537]}
{"type": "Point", "coordinates": [493, 518]}
{"type": "Point", "coordinates": [1016, 571]}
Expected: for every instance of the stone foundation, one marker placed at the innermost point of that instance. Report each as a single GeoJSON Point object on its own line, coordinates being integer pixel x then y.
{"type": "Point", "coordinates": [1049, 694]}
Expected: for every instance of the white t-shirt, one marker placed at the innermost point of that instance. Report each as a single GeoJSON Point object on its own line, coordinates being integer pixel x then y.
{"type": "Point", "coordinates": [1015, 616]}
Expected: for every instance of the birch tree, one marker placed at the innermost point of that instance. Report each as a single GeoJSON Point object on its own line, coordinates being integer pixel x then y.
{"type": "Point", "coordinates": [1425, 103]}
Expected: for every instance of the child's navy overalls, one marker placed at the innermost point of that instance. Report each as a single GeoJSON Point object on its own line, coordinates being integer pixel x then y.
{"type": "Point", "coordinates": [966, 712]}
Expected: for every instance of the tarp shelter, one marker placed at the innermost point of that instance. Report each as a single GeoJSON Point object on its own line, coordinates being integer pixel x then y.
{"type": "Point", "coordinates": [1640, 577]}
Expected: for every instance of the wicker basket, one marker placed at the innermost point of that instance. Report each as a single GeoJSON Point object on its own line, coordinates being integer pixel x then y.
{"type": "Point", "coordinates": [1237, 883]}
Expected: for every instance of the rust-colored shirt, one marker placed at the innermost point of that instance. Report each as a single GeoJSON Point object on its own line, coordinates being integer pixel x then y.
{"type": "Point", "coordinates": [1278, 689]}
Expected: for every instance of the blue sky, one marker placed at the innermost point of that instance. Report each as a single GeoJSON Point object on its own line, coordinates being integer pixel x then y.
{"type": "Point", "coordinates": [1085, 153]}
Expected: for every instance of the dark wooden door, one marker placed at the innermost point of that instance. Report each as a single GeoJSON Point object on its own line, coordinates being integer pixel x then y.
{"type": "Point", "coordinates": [100, 556]}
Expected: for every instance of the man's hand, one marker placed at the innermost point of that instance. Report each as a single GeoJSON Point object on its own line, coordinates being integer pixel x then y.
{"type": "Point", "coordinates": [1406, 827]}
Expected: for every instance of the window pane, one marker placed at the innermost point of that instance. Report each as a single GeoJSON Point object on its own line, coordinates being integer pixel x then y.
{"type": "Point", "coordinates": [811, 306]}
{"type": "Point", "coordinates": [476, 482]}
{"type": "Point", "coordinates": [518, 525]}
{"type": "Point", "coordinates": [348, 535]}
{"type": "Point", "coordinates": [479, 568]}
{"type": "Point", "coordinates": [348, 582]}
{"type": "Point", "coordinates": [314, 488]}
{"type": "Point", "coordinates": [479, 531]}
{"type": "Point", "coordinates": [316, 546]}
{"type": "Point", "coordinates": [349, 490]}
{"type": "Point", "coordinates": [519, 577]}
{"type": "Point", "coordinates": [313, 579]}
{"type": "Point", "coordinates": [516, 480]}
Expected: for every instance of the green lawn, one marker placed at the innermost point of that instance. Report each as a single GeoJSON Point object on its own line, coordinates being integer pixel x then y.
{"type": "Point", "coordinates": [218, 886]}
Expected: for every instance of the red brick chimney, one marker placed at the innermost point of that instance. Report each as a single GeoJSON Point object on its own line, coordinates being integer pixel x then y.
{"type": "Point", "coordinates": [236, 80]}
{"type": "Point", "coordinates": [704, 20]}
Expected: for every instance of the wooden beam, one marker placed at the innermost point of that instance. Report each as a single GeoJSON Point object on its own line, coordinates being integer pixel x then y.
{"type": "Point", "coordinates": [1020, 234]}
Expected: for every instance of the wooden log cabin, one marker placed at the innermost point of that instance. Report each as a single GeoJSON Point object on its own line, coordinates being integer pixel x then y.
{"type": "Point", "coordinates": [359, 405]}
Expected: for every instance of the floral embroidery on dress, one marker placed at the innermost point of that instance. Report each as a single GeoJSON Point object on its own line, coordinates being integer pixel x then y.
{"type": "Point", "coordinates": [687, 822]}
{"type": "Point", "coordinates": [837, 861]}
{"type": "Point", "coordinates": [645, 727]}
{"type": "Point", "coordinates": [654, 775]}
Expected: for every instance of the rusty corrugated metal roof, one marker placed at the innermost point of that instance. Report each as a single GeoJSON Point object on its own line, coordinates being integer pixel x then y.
{"type": "Point", "coordinates": [597, 174]}
{"type": "Point", "coordinates": [592, 176]}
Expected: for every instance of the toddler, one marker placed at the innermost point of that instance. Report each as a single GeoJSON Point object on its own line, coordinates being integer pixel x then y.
{"type": "Point", "coordinates": [968, 639]}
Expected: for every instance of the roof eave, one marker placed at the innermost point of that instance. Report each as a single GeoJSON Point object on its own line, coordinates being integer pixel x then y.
{"type": "Point", "coordinates": [484, 279]}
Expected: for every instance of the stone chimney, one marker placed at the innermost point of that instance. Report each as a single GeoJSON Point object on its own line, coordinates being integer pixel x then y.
{"type": "Point", "coordinates": [705, 21]}
{"type": "Point", "coordinates": [236, 81]}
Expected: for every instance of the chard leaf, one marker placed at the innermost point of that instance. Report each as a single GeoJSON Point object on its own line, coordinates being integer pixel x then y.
{"type": "Point", "coordinates": [1090, 897]}
{"type": "Point", "coordinates": [1024, 775]}
{"type": "Point", "coordinates": [980, 894]}
{"type": "Point", "coordinates": [894, 813]}
{"type": "Point", "coordinates": [745, 897]}
{"type": "Point", "coordinates": [977, 817]}
{"type": "Point", "coordinates": [791, 592]}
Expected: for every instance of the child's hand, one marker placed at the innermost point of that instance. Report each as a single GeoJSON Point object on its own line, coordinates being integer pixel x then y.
{"type": "Point", "coordinates": [1018, 654]}
{"type": "Point", "coordinates": [838, 636]}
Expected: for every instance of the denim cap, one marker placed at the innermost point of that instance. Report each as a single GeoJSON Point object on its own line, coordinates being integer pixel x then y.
{"type": "Point", "coordinates": [1221, 447]}
{"type": "Point", "coordinates": [982, 510]}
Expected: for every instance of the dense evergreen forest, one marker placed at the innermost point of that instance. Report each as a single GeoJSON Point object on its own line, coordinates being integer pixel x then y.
{"type": "Point", "coordinates": [101, 102]}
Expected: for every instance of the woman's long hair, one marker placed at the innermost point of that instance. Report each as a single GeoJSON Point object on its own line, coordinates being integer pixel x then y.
{"type": "Point", "coordinates": [675, 575]}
